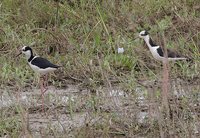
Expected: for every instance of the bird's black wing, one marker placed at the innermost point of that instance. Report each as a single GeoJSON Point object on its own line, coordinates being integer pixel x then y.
{"type": "Point", "coordinates": [170, 53]}
{"type": "Point", "coordinates": [152, 43]}
{"type": "Point", "coordinates": [160, 52]}
{"type": "Point", "coordinates": [43, 63]}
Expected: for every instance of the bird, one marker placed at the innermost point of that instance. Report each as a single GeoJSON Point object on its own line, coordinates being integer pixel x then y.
{"type": "Point", "coordinates": [157, 51]}
{"type": "Point", "coordinates": [39, 65]}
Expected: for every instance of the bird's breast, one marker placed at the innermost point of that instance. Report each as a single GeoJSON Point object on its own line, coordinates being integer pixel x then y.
{"type": "Point", "coordinates": [40, 70]}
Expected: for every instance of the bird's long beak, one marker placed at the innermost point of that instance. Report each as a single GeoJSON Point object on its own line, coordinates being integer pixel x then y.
{"type": "Point", "coordinates": [19, 54]}
{"type": "Point", "coordinates": [136, 37]}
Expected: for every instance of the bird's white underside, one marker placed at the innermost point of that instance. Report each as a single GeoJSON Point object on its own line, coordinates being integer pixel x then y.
{"type": "Point", "coordinates": [42, 71]}
{"type": "Point", "coordinates": [155, 54]}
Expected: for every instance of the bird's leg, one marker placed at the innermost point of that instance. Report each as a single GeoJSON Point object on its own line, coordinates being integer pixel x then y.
{"type": "Point", "coordinates": [42, 89]}
{"type": "Point", "coordinates": [46, 79]}
{"type": "Point", "coordinates": [42, 84]}
{"type": "Point", "coordinates": [45, 83]}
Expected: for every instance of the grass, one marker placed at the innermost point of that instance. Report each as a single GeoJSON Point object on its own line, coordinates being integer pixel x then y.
{"type": "Point", "coordinates": [83, 37]}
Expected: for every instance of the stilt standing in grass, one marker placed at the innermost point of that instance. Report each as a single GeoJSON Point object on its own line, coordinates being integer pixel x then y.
{"type": "Point", "coordinates": [157, 51]}
{"type": "Point", "coordinates": [41, 66]}
{"type": "Point", "coordinates": [163, 55]}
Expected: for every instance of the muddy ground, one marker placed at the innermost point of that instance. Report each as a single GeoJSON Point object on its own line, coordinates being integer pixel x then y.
{"type": "Point", "coordinates": [70, 110]}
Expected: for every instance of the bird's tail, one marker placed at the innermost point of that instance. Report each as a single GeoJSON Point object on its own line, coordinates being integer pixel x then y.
{"type": "Point", "coordinates": [59, 66]}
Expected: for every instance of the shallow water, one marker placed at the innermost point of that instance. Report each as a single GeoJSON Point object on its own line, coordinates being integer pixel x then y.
{"type": "Point", "coordinates": [59, 104]}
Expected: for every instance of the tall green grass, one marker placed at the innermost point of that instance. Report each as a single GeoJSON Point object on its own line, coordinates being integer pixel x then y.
{"type": "Point", "coordinates": [83, 37]}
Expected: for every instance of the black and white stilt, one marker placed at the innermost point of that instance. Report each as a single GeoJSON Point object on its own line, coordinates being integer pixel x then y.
{"type": "Point", "coordinates": [157, 51]}
{"type": "Point", "coordinates": [41, 66]}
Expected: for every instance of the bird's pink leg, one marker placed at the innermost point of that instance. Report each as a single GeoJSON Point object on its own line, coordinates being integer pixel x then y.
{"type": "Point", "coordinates": [45, 83]}
{"type": "Point", "coordinates": [42, 89]}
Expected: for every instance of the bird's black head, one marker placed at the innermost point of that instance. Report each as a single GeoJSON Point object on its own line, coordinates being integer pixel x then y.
{"type": "Point", "coordinates": [143, 34]}
{"type": "Point", "coordinates": [26, 48]}
{"type": "Point", "coordinates": [28, 52]}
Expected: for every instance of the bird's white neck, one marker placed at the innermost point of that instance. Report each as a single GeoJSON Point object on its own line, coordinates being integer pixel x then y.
{"type": "Point", "coordinates": [29, 55]}
{"type": "Point", "coordinates": [147, 39]}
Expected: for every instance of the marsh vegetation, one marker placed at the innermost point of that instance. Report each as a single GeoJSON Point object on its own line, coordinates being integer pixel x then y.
{"type": "Point", "coordinates": [99, 92]}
